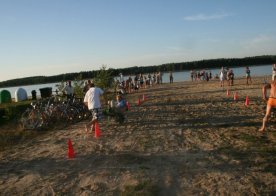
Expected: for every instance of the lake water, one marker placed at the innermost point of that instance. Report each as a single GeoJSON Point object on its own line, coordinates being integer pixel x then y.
{"type": "Point", "coordinates": [264, 70]}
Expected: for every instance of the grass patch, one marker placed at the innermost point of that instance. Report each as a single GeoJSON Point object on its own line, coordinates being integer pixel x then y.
{"type": "Point", "coordinates": [234, 153]}
{"type": "Point", "coordinates": [169, 100]}
{"type": "Point", "coordinates": [131, 159]}
{"type": "Point", "coordinates": [270, 169]}
{"type": "Point", "coordinates": [250, 138]}
{"type": "Point", "coordinates": [11, 111]}
{"type": "Point", "coordinates": [146, 188]}
{"type": "Point", "coordinates": [143, 167]}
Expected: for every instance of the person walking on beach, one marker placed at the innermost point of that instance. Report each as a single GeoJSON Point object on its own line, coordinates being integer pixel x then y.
{"type": "Point", "coordinates": [247, 75]}
{"type": "Point", "coordinates": [192, 73]}
{"type": "Point", "coordinates": [273, 70]}
{"type": "Point", "coordinates": [222, 77]}
{"type": "Point", "coordinates": [161, 77]}
{"type": "Point", "coordinates": [171, 77]}
{"type": "Point", "coordinates": [228, 76]}
{"type": "Point", "coordinates": [92, 101]}
{"type": "Point", "coordinates": [231, 77]}
{"type": "Point", "coordinates": [271, 101]}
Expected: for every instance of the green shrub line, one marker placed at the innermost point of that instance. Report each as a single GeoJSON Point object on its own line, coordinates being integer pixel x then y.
{"type": "Point", "coordinates": [12, 111]}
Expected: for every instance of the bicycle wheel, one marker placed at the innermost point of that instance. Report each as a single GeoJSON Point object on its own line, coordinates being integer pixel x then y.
{"type": "Point", "coordinates": [31, 119]}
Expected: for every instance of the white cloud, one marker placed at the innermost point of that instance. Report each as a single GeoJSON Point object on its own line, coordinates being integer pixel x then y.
{"type": "Point", "coordinates": [259, 45]}
{"type": "Point", "coordinates": [259, 41]}
{"type": "Point", "coordinates": [202, 17]}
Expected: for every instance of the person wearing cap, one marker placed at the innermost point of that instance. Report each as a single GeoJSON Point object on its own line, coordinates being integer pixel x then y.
{"type": "Point", "coordinates": [92, 101]}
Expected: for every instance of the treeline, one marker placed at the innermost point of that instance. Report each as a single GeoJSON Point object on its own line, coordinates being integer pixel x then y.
{"type": "Point", "coordinates": [202, 64]}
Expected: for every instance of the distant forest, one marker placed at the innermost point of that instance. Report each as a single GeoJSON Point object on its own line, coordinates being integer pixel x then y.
{"type": "Point", "coordinates": [196, 65]}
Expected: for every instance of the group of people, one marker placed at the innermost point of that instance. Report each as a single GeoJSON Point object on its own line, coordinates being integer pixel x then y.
{"type": "Point", "coordinates": [201, 75]}
{"type": "Point", "coordinates": [92, 101]}
{"type": "Point", "coordinates": [139, 81]}
{"type": "Point", "coordinates": [270, 100]}
{"type": "Point", "coordinates": [92, 95]}
{"type": "Point", "coordinates": [228, 75]}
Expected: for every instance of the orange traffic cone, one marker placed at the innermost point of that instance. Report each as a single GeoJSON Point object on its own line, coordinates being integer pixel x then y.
{"type": "Point", "coordinates": [70, 153]}
{"type": "Point", "coordinates": [235, 96]}
{"type": "Point", "coordinates": [97, 130]}
{"type": "Point", "coordinates": [246, 101]}
{"type": "Point", "coordinates": [227, 93]}
{"type": "Point", "coordinates": [139, 102]}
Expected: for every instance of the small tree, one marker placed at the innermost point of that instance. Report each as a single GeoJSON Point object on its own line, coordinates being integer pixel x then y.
{"type": "Point", "coordinates": [78, 86]}
{"type": "Point", "coordinates": [104, 80]}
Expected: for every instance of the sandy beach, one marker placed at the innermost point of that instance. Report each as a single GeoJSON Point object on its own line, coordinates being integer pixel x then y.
{"type": "Point", "coordinates": [186, 138]}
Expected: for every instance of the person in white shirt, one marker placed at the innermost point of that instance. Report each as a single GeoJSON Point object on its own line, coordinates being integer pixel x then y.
{"type": "Point", "coordinates": [222, 76]}
{"type": "Point", "coordinates": [68, 90]}
{"type": "Point", "coordinates": [92, 101]}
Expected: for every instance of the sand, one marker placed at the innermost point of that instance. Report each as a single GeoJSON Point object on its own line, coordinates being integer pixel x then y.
{"type": "Point", "coordinates": [186, 138]}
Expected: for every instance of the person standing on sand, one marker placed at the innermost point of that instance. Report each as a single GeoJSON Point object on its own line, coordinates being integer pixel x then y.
{"type": "Point", "coordinates": [68, 90]}
{"type": "Point", "coordinates": [271, 101]}
{"type": "Point", "coordinates": [171, 77]}
{"type": "Point", "coordinates": [247, 75]}
{"type": "Point", "coordinates": [92, 101]}
{"type": "Point", "coordinates": [231, 77]}
{"type": "Point", "coordinates": [161, 77]}
{"type": "Point", "coordinates": [273, 70]}
{"type": "Point", "coordinates": [192, 73]}
{"type": "Point", "coordinates": [222, 77]}
{"type": "Point", "coordinates": [228, 76]}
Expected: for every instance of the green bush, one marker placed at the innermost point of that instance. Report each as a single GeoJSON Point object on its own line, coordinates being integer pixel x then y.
{"type": "Point", "coordinates": [12, 111]}
{"type": "Point", "coordinates": [2, 114]}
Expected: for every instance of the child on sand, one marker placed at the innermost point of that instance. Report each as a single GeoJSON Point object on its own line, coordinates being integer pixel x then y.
{"type": "Point", "coordinates": [271, 101]}
{"type": "Point", "coordinates": [121, 103]}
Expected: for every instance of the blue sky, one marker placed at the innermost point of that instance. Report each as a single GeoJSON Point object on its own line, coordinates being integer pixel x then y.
{"type": "Point", "coordinates": [51, 37]}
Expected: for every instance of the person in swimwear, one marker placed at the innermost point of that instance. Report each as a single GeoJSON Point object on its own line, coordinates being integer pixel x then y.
{"type": "Point", "coordinates": [248, 75]}
{"type": "Point", "coordinates": [271, 101]}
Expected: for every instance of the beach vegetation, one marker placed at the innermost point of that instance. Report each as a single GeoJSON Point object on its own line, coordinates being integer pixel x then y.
{"type": "Point", "coordinates": [143, 188]}
{"type": "Point", "coordinates": [78, 86]}
{"type": "Point", "coordinates": [105, 81]}
{"type": "Point", "coordinates": [12, 111]}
